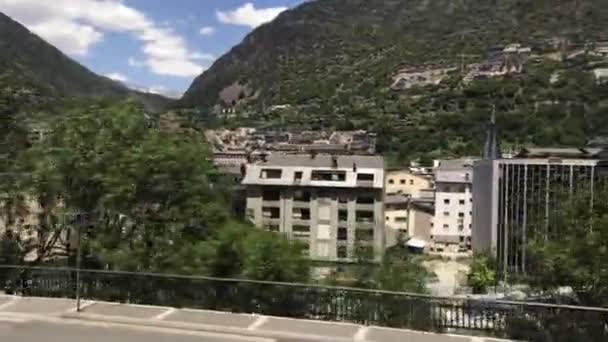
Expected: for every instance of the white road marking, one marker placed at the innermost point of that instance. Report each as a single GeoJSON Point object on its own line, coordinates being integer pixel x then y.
{"type": "Point", "coordinates": [361, 334]}
{"type": "Point", "coordinates": [258, 323]}
{"type": "Point", "coordinates": [10, 319]}
{"type": "Point", "coordinates": [9, 303]}
{"type": "Point", "coordinates": [165, 314]}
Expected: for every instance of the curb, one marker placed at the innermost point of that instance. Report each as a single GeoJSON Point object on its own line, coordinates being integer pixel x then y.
{"type": "Point", "coordinates": [200, 327]}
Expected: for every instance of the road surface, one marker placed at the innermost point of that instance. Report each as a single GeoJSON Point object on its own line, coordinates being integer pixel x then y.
{"type": "Point", "coordinates": [15, 330]}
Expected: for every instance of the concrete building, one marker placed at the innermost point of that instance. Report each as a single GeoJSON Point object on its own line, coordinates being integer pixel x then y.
{"type": "Point", "coordinates": [408, 183]}
{"type": "Point", "coordinates": [517, 198]}
{"type": "Point", "coordinates": [452, 222]}
{"type": "Point", "coordinates": [408, 218]}
{"type": "Point", "coordinates": [332, 203]}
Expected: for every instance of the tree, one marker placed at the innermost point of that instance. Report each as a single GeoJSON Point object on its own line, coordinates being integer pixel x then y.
{"type": "Point", "coordinates": [144, 199]}
{"type": "Point", "coordinates": [481, 274]}
{"type": "Point", "coordinates": [574, 252]}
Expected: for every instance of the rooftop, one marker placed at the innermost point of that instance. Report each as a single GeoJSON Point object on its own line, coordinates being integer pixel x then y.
{"type": "Point", "coordinates": [325, 161]}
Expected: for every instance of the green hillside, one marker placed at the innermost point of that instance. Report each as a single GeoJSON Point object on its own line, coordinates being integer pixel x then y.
{"type": "Point", "coordinates": [334, 62]}
{"type": "Point", "coordinates": [31, 67]}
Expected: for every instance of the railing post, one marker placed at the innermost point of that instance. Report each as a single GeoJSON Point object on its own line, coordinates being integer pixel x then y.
{"type": "Point", "coordinates": [78, 262]}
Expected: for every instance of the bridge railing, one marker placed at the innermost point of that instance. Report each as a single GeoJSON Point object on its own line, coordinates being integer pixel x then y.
{"type": "Point", "coordinates": [519, 320]}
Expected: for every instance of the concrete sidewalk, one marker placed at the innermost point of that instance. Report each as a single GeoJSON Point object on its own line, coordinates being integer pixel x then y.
{"type": "Point", "coordinates": [276, 328]}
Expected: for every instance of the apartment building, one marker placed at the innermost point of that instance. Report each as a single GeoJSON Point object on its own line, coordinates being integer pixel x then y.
{"type": "Point", "coordinates": [403, 181]}
{"type": "Point", "coordinates": [452, 222]}
{"type": "Point", "coordinates": [517, 198]}
{"type": "Point", "coordinates": [334, 204]}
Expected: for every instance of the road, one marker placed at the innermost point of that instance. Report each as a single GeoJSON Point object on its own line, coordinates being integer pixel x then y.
{"type": "Point", "coordinates": [14, 330]}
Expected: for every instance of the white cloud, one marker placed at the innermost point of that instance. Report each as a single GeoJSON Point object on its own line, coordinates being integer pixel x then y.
{"type": "Point", "coordinates": [159, 90]}
{"type": "Point", "coordinates": [248, 15]}
{"type": "Point", "coordinates": [207, 31]}
{"type": "Point", "coordinates": [135, 62]}
{"type": "Point", "coordinates": [75, 26]}
{"type": "Point", "coordinates": [116, 76]}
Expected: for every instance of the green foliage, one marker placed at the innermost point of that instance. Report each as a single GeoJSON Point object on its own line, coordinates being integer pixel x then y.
{"type": "Point", "coordinates": [145, 199]}
{"type": "Point", "coordinates": [31, 67]}
{"type": "Point", "coordinates": [339, 57]}
{"type": "Point", "coordinates": [398, 271]}
{"type": "Point", "coordinates": [481, 274]}
{"type": "Point", "coordinates": [573, 252]}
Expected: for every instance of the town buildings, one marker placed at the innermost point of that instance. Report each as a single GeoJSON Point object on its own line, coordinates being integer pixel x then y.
{"type": "Point", "coordinates": [515, 199]}
{"type": "Point", "coordinates": [333, 204]}
{"type": "Point", "coordinates": [452, 222]}
{"type": "Point", "coordinates": [408, 218]}
{"type": "Point", "coordinates": [406, 182]}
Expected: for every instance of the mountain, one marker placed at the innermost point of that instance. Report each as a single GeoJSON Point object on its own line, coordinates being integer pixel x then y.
{"type": "Point", "coordinates": [31, 65]}
{"type": "Point", "coordinates": [425, 74]}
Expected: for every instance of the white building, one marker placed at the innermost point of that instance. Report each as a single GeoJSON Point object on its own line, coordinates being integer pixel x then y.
{"type": "Point", "coordinates": [452, 222]}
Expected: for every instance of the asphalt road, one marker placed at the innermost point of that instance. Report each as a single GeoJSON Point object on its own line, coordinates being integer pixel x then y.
{"type": "Point", "coordinates": [15, 331]}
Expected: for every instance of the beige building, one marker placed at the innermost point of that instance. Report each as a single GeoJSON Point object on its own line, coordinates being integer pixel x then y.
{"type": "Point", "coordinates": [407, 183]}
{"type": "Point", "coordinates": [407, 218]}
{"type": "Point", "coordinates": [333, 204]}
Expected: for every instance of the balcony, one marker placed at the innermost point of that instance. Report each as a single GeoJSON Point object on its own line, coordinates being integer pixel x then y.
{"type": "Point", "coordinates": [365, 225]}
{"type": "Point", "coordinates": [365, 206]}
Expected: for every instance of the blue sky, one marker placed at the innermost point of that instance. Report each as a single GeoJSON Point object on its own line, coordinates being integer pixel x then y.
{"type": "Point", "coordinates": [155, 45]}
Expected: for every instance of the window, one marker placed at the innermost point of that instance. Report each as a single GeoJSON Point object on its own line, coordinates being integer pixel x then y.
{"type": "Point", "coordinates": [271, 212]}
{"type": "Point", "coordinates": [471, 199]}
{"type": "Point", "coordinates": [272, 227]}
{"type": "Point", "coordinates": [365, 216]}
{"type": "Point", "coordinates": [446, 201]}
{"type": "Point", "coordinates": [446, 226]}
{"type": "Point", "coordinates": [364, 234]}
{"type": "Point", "coordinates": [271, 195]}
{"type": "Point", "coordinates": [341, 252]}
{"type": "Point", "coordinates": [365, 200]}
{"type": "Point", "coordinates": [446, 213]}
{"type": "Point", "coordinates": [432, 224]}
{"type": "Point", "coordinates": [271, 174]}
{"type": "Point", "coordinates": [402, 181]}
{"type": "Point", "coordinates": [343, 199]}
{"type": "Point", "coordinates": [299, 230]}
{"type": "Point", "coordinates": [461, 215]}
{"type": "Point", "coordinates": [461, 227]}
{"type": "Point", "coordinates": [342, 215]}
{"type": "Point", "coordinates": [342, 234]}
{"type": "Point", "coordinates": [301, 214]}
{"type": "Point", "coordinates": [461, 202]}
{"type": "Point", "coordinates": [411, 182]}
{"type": "Point", "coordinates": [329, 176]}
{"type": "Point", "coordinates": [388, 218]}
{"type": "Point", "coordinates": [300, 195]}
{"type": "Point", "coordinates": [365, 177]}
{"type": "Point", "coordinates": [401, 219]}
{"type": "Point", "coordinates": [298, 176]}
{"type": "Point", "coordinates": [391, 181]}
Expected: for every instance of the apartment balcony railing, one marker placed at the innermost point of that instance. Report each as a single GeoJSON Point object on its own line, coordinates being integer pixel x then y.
{"type": "Point", "coordinates": [516, 320]}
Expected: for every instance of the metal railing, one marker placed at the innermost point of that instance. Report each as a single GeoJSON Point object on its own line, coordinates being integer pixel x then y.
{"type": "Point", "coordinates": [518, 320]}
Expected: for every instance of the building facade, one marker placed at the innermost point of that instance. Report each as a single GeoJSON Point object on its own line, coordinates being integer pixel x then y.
{"type": "Point", "coordinates": [407, 218]}
{"type": "Point", "coordinates": [408, 183]}
{"type": "Point", "coordinates": [516, 199]}
{"type": "Point", "coordinates": [452, 222]}
{"type": "Point", "coordinates": [333, 204]}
